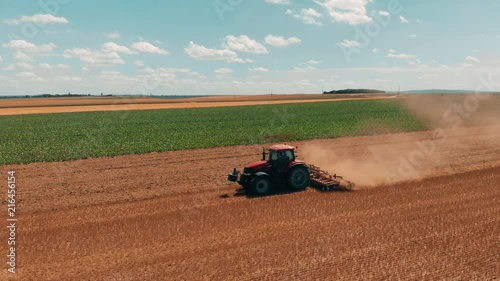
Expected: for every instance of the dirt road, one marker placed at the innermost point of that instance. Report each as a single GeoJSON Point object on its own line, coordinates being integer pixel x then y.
{"type": "Point", "coordinates": [173, 216]}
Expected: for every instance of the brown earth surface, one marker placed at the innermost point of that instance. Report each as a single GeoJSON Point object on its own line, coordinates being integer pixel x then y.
{"type": "Point", "coordinates": [109, 100]}
{"type": "Point", "coordinates": [173, 215]}
{"type": "Point", "coordinates": [87, 104]}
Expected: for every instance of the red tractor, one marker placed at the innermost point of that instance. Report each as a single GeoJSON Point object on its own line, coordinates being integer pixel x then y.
{"type": "Point", "coordinates": [277, 169]}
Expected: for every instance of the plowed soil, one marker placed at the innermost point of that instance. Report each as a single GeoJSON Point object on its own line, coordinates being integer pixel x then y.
{"type": "Point", "coordinates": [173, 216]}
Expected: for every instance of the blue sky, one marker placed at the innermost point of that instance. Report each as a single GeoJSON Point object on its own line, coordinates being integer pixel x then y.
{"type": "Point", "coordinates": [245, 46]}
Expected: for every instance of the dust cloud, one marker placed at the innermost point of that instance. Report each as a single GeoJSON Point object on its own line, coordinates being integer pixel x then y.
{"type": "Point", "coordinates": [372, 161]}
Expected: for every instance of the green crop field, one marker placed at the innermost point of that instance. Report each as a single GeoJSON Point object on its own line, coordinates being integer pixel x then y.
{"type": "Point", "coordinates": [66, 136]}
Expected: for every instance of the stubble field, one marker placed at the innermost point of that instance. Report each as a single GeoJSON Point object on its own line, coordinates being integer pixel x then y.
{"type": "Point", "coordinates": [426, 207]}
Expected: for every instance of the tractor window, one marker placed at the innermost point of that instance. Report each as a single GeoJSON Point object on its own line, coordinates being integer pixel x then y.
{"type": "Point", "coordinates": [274, 155]}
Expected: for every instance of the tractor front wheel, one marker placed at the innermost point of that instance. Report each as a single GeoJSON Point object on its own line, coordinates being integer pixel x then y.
{"type": "Point", "coordinates": [261, 185]}
{"type": "Point", "coordinates": [298, 178]}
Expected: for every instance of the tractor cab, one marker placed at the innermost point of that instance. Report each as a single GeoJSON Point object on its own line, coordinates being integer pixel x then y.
{"type": "Point", "coordinates": [280, 157]}
{"type": "Point", "coordinates": [281, 151]}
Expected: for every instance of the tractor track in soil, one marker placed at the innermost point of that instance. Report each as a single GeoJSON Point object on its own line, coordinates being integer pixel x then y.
{"type": "Point", "coordinates": [173, 216]}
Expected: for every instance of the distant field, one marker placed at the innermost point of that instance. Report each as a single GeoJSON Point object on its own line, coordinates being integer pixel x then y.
{"type": "Point", "coordinates": [66, 136]}
{"type": "Point", "coordinates": [20, 106]}
{"type": "Point", "coordinates": [119, 100]}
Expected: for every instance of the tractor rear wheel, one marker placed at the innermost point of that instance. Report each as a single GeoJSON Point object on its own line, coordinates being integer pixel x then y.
{"type": "Point", "coordinates": [298, 178]}
{"type": "Point", "coordinates": [261, 185]}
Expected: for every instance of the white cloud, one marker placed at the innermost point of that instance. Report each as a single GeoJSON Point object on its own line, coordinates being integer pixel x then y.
{"type": "Point", "coordinates": [383, 13]}
{"type": "Point", "coordinates": [45, 66]}
{"type": "Point", "coordinates": [403, 19]}
{"type": "Point", "coordinates": [412, 36]}
{"type": "Point", "coordinates": [392, 51]}
{"type": "Point", "coordinates": [300, 69]}
{"type": "Point", "coordinates": [29, 75]}
{"type": "Point", "coordinates": [112, 35]}
{"type": "Point", "coordinates": [146, 47]}
{"type": "Point", "coordinates": [223, 70]}
{"type": "Point", "coordinates": [114, 76]}
{"type": "Point", "coordinates": [400, 56]}
{"type": "Point", "coordinates": [313, 62]}
{"type": "Point", "coordinates": [302, 83]}
{"type": "Point", "coordinates": [94, 58]}
{"type": "Point", "coordinates": [280, 41]}
{"type": "Point", "coordinates": [307, 16]}
{"type": "Point", "coordinates": [68, 79]}
{"type": "Point", "coordinates": [110, 73]}
{"type": "Point", "coordinates": [139, 63]}
{"type": "Point", "coordinates": [244, 44]}
{"type": "Point", "coordinates": [240, 60]}
{"type": "Point", "coordinates": [25, 46]}
{"type": "Point", "coordinates": [472, 59]}
{"type": "Point", "coordinates": [20, 56]}
{"type": "Point", "coordinates": [1, 59]}
{"type": "Point", "coordinates": [26, 74]}
{"type": "Point", "coordinates": [352, 12]}
{"type": "Point", "coordinates": [260, 69]}
{"type": "Point", "coordinates": [169, 76]}
{"type": "Point", "coordinates": [427, 76]}
{"type": "Point", "coordinates": [202, 53]}
{"type": "Point", "coordinates": [310, 12]}
{"type": "Point", "coordinates": [376, 50]}
{"type": "Point", "coordinates": [417, 63]}
{"type": "Point", "coordinates": [349, 43]}
{"type": "Point", "coordinates": [280, 2]}
{"type": "Point", "coordinates": [64, 66]}
{"type": "Point", "coordinates": [38, 18]}
{"type": "Point", "coordinates": [113, 47]}
{"type": "Point", "coordinates": [19, 65]}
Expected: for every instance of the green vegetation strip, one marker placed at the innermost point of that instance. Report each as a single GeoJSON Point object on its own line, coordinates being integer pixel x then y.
{"type": "Point", "coordinates": [67, 136]}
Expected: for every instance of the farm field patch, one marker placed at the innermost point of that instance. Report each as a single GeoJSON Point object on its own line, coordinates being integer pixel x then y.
{"type": "Point", "coordinates": [66, 136]}
{"type": "Point", "coordinates": [164, 214]}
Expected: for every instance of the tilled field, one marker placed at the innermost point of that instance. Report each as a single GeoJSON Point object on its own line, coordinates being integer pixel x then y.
{"type": "Point", "coordinates": [173, 216]}
{"type": "Point", "coordinates": [13, 107]}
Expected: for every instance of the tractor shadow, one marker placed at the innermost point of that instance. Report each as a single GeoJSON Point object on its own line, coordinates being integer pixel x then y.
{"type": "Point", "coordinates": [240, 192]}
{"type": "Point", "coordinates": [335, 189]}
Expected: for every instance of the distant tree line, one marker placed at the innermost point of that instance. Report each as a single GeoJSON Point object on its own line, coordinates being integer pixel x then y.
{"type": "Point", "coordinates": [354, 91]}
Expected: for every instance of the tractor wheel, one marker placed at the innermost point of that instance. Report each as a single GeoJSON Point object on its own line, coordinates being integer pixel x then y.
{"type": "Point", "coordinates": [245, 186]}
{"type": "Point", "coordinates": [260, 186]}
{"type": "Point", "coordinates": [298, 178]}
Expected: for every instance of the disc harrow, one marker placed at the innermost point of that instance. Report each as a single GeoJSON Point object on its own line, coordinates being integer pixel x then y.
{"type": "Point", "coordinates": [324, 181]}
